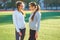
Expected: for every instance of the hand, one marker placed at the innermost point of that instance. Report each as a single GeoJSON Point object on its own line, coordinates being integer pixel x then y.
{"type": "Point", "coordinates": [20, 33]}
{"type": "Point", "coordinates": [36, 35]}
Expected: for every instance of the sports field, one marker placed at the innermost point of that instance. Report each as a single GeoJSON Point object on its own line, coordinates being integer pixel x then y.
{"type": "Point", "coordinates": [49, 28]}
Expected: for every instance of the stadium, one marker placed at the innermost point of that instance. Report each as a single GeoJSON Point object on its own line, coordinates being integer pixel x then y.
{"type": "Point", "coordinates": [50, 19]}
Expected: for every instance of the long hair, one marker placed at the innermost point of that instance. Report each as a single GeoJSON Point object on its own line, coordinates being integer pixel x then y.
{"type": "Point", "coordinates": [18, 3]}
{"type": "Point", "coordinates": [37, 9]}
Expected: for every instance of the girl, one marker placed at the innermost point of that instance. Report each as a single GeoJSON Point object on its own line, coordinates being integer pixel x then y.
{"type": "Point", "coordinates": [18, 20]}
{"type": "Point", "coordinates": [34, 20]}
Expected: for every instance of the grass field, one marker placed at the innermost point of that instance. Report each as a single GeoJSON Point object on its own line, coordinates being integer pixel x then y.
{"type": "Point", "coordinates": [49, 28]}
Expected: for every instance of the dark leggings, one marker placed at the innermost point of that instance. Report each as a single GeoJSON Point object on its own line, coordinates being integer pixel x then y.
{"type": "Point", "coordinates": [23, 34]}
{"type": "Point", "coordinates": [32, 35]}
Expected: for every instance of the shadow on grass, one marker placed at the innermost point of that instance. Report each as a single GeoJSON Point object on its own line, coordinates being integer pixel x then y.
{"type": "Point", "coordinates": [7, 19]}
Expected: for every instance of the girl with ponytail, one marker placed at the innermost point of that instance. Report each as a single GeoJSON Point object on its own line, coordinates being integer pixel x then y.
{"type": "Point", "coordinates": [34, 20]}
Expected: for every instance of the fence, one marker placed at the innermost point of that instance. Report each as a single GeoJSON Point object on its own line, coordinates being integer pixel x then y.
{"type": "Point", "coordinates": [44, 4]}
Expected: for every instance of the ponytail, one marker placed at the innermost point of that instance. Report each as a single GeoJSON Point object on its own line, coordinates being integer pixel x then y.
{"type": "Point", "coordinates": [37, 9]}
{"type": "Point", "coordinates": [22, 12]}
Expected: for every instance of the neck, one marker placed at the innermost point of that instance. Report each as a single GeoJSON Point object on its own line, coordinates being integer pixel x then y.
{"type": "Point", "coordinates": [19, 10]}
{"type": "Point", "coordinates": [33, 11]}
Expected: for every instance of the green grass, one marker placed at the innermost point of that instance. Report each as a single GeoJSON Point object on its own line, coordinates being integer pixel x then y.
{"type": "Point", "coordinates": [49, 28]}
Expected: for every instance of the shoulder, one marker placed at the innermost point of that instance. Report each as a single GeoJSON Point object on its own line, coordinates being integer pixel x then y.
{"type": "Point", "coordinates": [14, 13]}
{"type": "Point", "coordinates": [38, 13]}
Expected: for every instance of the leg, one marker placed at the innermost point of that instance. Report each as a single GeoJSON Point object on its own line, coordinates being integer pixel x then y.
{"type": "Point", "coordinates": [23, 34]}
{"type": "Point", "coordinates": [17, 36]}
{"type": "Point", "coordinates": [32, 35]}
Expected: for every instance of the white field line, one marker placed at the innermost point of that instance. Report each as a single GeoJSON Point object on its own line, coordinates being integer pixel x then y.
{"type": "Point", "coordinates": [29, 11]}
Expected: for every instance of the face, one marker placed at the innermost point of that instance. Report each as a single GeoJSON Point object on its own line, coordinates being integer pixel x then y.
{"type": "Point", "coordinates": [21, 7]}
{"type": "Point", "coordinates": [31, 8]}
